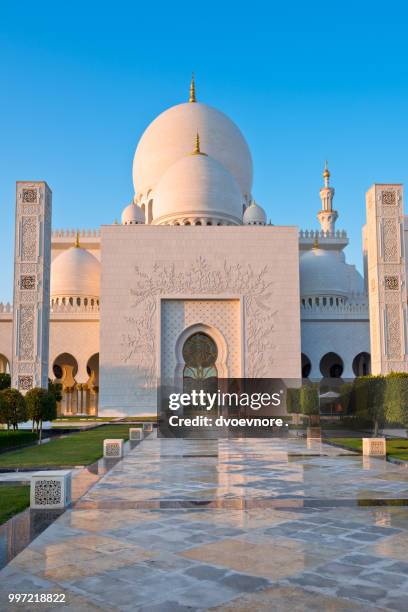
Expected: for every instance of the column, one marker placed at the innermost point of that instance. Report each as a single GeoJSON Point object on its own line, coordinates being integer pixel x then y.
{"type": "Point", "coordinates": [31, 304]}
{"type": "Point", "coordinates": [387, 290]}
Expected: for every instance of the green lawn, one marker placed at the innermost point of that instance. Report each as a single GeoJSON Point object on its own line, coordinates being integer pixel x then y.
{"type": "Point", "coordinates": [80, 448]}
{"type": "Point", "coordinates": [13, 499]}
{"type": "Point", "coordinates": [397, 447]}
{"type": "Point", "coordinates": [11, 439]}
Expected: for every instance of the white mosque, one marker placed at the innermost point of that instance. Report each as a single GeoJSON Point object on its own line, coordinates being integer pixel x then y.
{"type": "Point", "coordinates": [194, 281]}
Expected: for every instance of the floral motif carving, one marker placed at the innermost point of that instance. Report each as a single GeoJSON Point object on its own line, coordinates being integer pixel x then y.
{"type": "Point", "coordinates": [393, 330]}
{"type": "Point", "coordinates": [197, 279]}
{"type": "Point", "coordinates": [26, 344]}
{"type": "Point", "coordinates": [29, 239]}
{"type": "Point", "coordinates": [390, 240]}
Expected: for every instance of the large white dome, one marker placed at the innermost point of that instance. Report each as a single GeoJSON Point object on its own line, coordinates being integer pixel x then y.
{"type": "Point", "coordinates": [325, 272]}
{"type": "Point", "coordinates": [197, 189]}
{"type": "Point", "coordinates": [75, 272]}
{"type": "Point", "coordinates": [169, 138]}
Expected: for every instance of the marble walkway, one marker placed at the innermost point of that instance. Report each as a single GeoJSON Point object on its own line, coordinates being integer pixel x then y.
{"type": "Point", "coordinates": [240, 525]}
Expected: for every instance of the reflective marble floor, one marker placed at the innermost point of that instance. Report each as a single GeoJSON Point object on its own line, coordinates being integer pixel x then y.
{"type": "Point", "coordinates": [243, 525]}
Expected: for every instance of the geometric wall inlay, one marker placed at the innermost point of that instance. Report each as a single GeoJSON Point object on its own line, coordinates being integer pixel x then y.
{"type": "Point", "coordinates": [25, 383]}
{"type": "Point", "coordinates": [27, 282]}
{"type": "Point", "coordinates": [391, 283]}
{"type": "Point", "coordinates": [389, 198]}
{"type": "Point", "coordinates": [29, 195]}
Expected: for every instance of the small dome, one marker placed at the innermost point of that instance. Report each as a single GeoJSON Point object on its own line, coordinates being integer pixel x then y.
{"type": "Point", "coordinates": [75, 272]}
{"type": "Point", "coordinates": [325, 272]}
{"type": "Point", "coordinates": [254, 214]}
{"type": "Point", "coordinates": [197, 188]}
{"type": "Point", "coordinates": [132, 215]}
{"type": "Point", "coordinates": [168, 139]}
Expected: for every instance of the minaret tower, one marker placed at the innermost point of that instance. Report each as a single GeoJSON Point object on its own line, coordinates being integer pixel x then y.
{"type": "Point", "coordinates": [327, 216]}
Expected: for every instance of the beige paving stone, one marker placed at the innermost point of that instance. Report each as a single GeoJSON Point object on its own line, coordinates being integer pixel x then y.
{"type": "Point", "coordinates": [394, 547]}
{"type": "Point", "coordinates": [290, 599]}
{"type": "Point", "coordinates": [256, 559]}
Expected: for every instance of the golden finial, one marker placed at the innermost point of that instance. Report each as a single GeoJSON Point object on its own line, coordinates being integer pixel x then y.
{"type": "Point", "coordinates": [326, 172]}
{"type": "Point", "coordinates": [77, 240]}
{"type": "Point", "coordinates": [197, 150]}
{"type": "Point", "coordinates": [192, 90]}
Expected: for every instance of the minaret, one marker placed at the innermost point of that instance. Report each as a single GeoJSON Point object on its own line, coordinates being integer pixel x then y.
{"type": "Point", "coordinates": [327, 216]}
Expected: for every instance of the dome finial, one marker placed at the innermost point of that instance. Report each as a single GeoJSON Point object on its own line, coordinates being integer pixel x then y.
{"type": "Point", "coordinates": [326, 173]}
{"type": "Point", "coordinates": [77, 240]}
{"type": "Point", "coordinates": [197, 150]}
{"type": "Point", "coordinates": [192, 90]}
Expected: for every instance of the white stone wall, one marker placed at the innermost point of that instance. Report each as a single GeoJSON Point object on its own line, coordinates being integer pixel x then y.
{"type": "Point", "coordinates": [346, 338]}
{"type": "Point", "coordinates": [79, 338]}
{"type": "Point", "coordinates": [144, 265]}
{"type": "Point", "coordinates": [6, 333]}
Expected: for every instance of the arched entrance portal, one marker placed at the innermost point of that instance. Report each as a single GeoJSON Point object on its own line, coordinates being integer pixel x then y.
{"type": "Point", "coordinates": [200, 356]}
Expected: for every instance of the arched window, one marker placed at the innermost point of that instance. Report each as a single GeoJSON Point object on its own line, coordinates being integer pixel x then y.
{"type": "Point", "coordinates": [362, 364]}
{"type": "Point", "coordinates": [306, 366]}
{"type": "Point", "coordinates": [331, 366]}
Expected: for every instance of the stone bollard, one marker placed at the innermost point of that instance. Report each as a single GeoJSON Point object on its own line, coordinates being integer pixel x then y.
{"type": "Point", "coordinates": [135, 433]}
{"type": "Point", "coordinates": [314, 433]}
{"type": "Point", "coordinates": [375, 447]}
{"type": "Point", "coordinates": [147, 427]}
{"type": "Point", "coordinates": [113, 448]}
{"type": "Point", "coordinates": [50, 489]}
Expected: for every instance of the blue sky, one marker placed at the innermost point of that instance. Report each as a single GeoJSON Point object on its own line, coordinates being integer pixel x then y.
{"type": "Point", "coordinates": [80, 81]}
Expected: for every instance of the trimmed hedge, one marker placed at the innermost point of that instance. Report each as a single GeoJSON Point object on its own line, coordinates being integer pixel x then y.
{"type": "Point", "coordinates": [12, 439]}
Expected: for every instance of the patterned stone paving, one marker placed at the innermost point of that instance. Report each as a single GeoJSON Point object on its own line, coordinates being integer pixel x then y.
{"type": "Point", "coordinates": [241, 525]}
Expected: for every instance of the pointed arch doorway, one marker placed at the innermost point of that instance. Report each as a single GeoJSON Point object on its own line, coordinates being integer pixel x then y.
{"type": "Point", "coordinates": [200, 356]}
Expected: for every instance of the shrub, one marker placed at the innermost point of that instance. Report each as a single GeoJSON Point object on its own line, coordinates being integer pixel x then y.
{"type": "Point", "coordinates": [41, 406]}
{"type": "Point", "coordinates": [12, 408]}
{"type": "Point", "coordinates": [5, 381]}
{"type": "Point", "coordinates": [309, 399]}
{"type": "Point", "coordinates": [293, 400]}
{"type": "Point", "coordinates": [396, 398]}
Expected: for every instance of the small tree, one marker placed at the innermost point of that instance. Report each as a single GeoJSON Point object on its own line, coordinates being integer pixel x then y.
{"type": "Point", "coordinates": [396, 398]}
{"type": "Point", "coordinates": [309, 399]}
{"type": "Point", "coordinates": [375, 400]}
{"type": "Point", "coordinates": [41, 406]}
{"type": "Point", "coordinates": [293, 401]}
{"type": "Point", "coordinates": [14, 407]}
{"type": "Point", "coordinates": [5, 381]}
